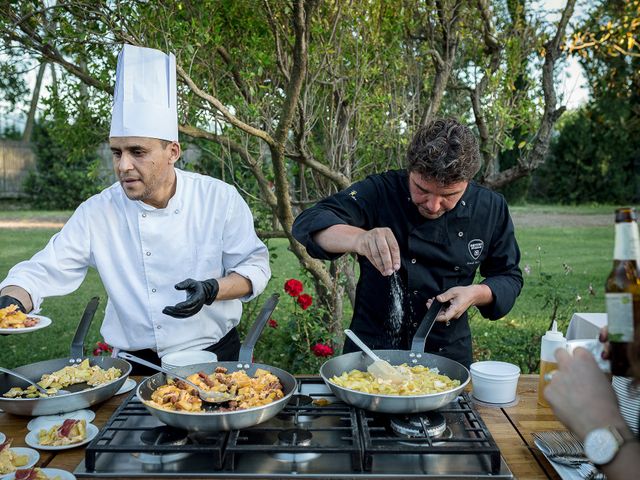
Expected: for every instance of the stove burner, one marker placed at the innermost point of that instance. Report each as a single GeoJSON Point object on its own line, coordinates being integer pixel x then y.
{"type": "Point", "coordinates": [162, 436]}
{"type": "Point", "coordinates": [295, 437]}
{"type": "Point", "coordinates": [301, 415]}
{"type": "Point", "coordinates": [300, 400]}
{"type": "Point", "coordinates": [431, 424]}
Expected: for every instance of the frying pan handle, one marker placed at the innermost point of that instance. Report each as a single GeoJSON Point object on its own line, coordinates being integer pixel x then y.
{"type": "Point", "coordinates": [77, 345]}
{"type": "Point", "coordinates": [419, 339]}
{"type": "Point", "coordinates": [246, 350]}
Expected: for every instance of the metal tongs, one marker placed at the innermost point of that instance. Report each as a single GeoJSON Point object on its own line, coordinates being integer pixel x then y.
{"type": "Point", "coordinates": [209, 396]}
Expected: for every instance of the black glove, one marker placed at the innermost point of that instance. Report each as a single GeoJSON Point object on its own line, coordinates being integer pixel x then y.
{"type": "Point", "coordinates": [6, 300]}
{"type": "Point", "coordinates": [198, 294]}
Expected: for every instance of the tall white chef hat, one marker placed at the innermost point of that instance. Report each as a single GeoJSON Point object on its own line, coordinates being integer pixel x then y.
{"type": "Point", "coordinates": [144, 101]}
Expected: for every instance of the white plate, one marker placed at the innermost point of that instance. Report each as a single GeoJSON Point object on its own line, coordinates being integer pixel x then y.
{"type": "Point", "coordinates": [42, 323]}
{"type": "Point", "coordinates": [564, 471]}
{"type": "Point", "coordinates": [32, 457]}
{"type": "Point", "coordinates": [127, 386]}
{"type": "Point", "coordinates": [40, 422]}
{"type": "Point", "coordinates": [50, 473]}
{"type": "Point", "coordinates": [32, 439]}
{"type": "Point", "coordinates": [3, 437]}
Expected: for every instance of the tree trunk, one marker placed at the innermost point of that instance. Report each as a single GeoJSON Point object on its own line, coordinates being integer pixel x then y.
{"type": "Point", "coordinates": [31, 117]}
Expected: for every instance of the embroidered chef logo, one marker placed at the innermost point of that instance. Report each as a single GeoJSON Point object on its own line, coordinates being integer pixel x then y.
{"type": "Point", "coordinates": [475, 248]}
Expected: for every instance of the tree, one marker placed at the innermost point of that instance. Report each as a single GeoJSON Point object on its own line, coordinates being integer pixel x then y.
{"type": "Point", "coordinates": [308, 95]}
{"type": "Point", "coordinates": [596, 157]}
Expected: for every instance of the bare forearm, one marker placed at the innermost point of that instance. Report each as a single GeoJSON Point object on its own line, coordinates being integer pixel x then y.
{"type": "Point", "coordinates": [482, 294]}
{"type": "Point", "coordinates": [627, 461]}
{"type": "Point", "coordinates": [20, 294]}
{"type": "Point", "coordinates": [339, 238]}
{"type": "Point", "coordinates": [233, 286]}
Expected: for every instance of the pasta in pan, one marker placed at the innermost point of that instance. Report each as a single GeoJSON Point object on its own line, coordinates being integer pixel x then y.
{"type": "Point", "coordinates": [420, 380]}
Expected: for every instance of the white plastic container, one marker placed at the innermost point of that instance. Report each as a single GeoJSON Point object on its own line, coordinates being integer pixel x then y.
{"type": "Point", "coordinates": [550, 342]}
{"type": "Point", "coordinates": [187, 357]}
{"type": "Point", "coordinates": [494, 382]}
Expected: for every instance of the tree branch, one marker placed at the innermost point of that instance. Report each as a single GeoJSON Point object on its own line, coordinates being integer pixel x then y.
{"type": "Point", "coordinates": [232, 119]}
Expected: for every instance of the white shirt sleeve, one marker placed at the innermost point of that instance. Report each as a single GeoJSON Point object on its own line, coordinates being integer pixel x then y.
{"type": "Point", "coordinates": [60, 267]}
{"type": "Point", "coordinates": [244, 253]}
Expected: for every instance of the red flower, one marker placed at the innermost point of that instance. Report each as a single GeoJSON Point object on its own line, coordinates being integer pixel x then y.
{"type": "Point", "coordinates": [293, 287]}
{"type": "Point", "coordinates": [272, 323]}
{"type": "Point", "coordinates": [102, 347]}
{"type": "Point", "coordinates": [305, 301]}
{"type": "Point", "coordinates": [322, 350]}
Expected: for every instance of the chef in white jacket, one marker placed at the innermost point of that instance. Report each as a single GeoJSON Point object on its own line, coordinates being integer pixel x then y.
{"type": "Point", "coordinates": [176, 251]}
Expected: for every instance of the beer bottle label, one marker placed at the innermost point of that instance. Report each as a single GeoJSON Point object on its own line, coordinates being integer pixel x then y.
{"type": "Point", "coordinates": [627, 242]}
{"type": "Point", "coordinates": [620, 316]}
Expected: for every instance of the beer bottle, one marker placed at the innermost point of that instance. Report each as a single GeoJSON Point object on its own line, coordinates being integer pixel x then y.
{"type": "Point", "coordinates": [622, 291]}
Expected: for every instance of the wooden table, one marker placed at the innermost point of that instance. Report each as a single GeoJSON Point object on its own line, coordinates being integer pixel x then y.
{"type": "Point", "coordinates": [511, 427]}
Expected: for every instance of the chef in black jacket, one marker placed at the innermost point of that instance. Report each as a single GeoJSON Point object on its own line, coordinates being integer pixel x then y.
{"type": "Point", "coordinates": [431, 226]}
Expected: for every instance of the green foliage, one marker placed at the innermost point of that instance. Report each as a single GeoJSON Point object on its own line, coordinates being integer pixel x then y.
{"type": "Point", "coordinates": [288, 341]}
{"type": "Point", "coordinates": [60, 180]}
{"type": "Point", "coordinates": [595, 158]}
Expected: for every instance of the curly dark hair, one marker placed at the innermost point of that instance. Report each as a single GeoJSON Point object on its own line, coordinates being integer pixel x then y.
{"type": "Point", "coordinates": [444, 150]}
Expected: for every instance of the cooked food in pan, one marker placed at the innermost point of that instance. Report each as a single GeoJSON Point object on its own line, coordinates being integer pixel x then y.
{"type": "Point", "coordinates": [33, 474]}
{"type": "Point", "coordinates": [420, 380]}
{"type": "Point", "coordinates": [261, 389]}
{"type": "Point", "coordinates": [71, 431]}
{"type": "Point", "coordinates": [69, 375]}
{"type": "Point", "coordinates": [79, 373]}
{"type": "Point", "coordinates": [29, 392]}
{"type": "Point", "coordinates": [9, 461]}
{"type": "Point", "coordinates": [11, 317]}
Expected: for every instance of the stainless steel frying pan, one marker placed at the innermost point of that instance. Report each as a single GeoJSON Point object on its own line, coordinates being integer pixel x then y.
{"type": "Point", "coordinates": [212, 419]}
{"type": "Point", "coordinates": [80, 396]}
{"type": "Point", "coordinates": [416, 356]}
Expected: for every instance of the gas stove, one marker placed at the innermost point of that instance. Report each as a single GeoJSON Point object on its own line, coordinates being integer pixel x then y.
{"type": "Point", "coordinates": [314, 436]}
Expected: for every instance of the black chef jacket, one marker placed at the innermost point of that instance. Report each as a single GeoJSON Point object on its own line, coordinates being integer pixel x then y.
{"type": "Point", "coordinates": [435, 256]}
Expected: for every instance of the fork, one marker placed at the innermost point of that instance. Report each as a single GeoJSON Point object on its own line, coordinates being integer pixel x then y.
{"type": "Point", "coordinates": [589, 472]}
{"type": "Point", "coordinates": [560, 443]}
{"type": "Point", "coordinates": [565, 448]}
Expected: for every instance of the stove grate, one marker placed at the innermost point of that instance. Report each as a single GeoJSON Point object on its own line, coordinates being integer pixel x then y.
{"type": "Point", "coordinates": [119, 435]}
{"type": "Point", "coordinates": [469, 436]}
{"type": "Point", "coordinates": [262, 438]}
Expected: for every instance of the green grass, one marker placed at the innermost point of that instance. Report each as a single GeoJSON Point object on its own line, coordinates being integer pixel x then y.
{"type": "Point", "coordinates": [587, 254]}
{"type": "Point", "coordinates": [587, 251]}
{"type": "Point", "coordinates": [596, 209]}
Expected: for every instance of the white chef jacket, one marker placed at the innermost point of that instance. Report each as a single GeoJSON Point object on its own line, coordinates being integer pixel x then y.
{"type": "Point", "coordinates": [141, 252]}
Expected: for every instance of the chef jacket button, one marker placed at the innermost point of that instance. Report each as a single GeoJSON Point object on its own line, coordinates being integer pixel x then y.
{"type": "Point", "coordinates": [159, 327]}
{"type": "Point", "coordinates": [463, 203]}
{"type": "Point", "coordinates": [440, 349]}
{"type": "Point", "coordinates": [415, 292]}
{"type": "Point", "coordinates": [176, 211]}
{"type": "Point", "coordinates": [144, 215]}
{"type": "Point", "coordinates": [415, 324]}
{"type": "Point", "coordinates": [460, 234]}
{"type": "Point", "coordinates": [413, 260]}
{"type": "Point", "coordinates": [153, 290]}
{"type": "Point", "coordinates": [456, 268]}
{"type": "Point", "coordinates": [148, 253]}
